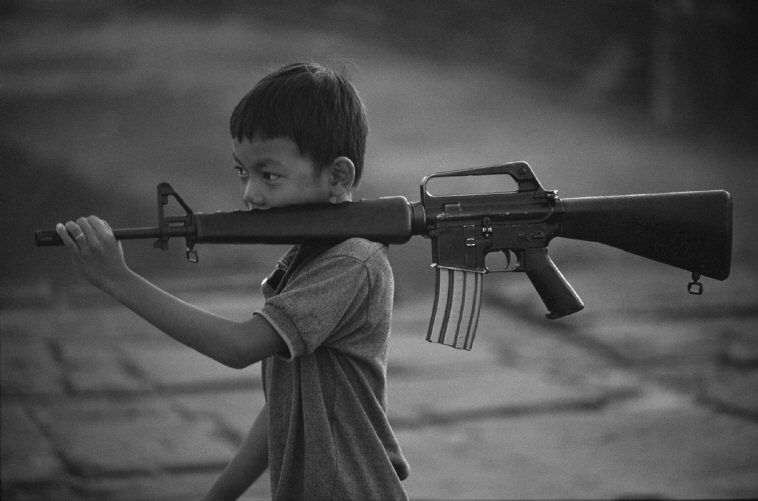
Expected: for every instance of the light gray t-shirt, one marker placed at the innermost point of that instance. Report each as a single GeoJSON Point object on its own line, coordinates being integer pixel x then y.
{"type": "Point", "coordinates": [329, 437]}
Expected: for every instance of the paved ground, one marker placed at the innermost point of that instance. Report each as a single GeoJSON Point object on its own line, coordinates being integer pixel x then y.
{"type": "Point", "coordinates": [625, 399]}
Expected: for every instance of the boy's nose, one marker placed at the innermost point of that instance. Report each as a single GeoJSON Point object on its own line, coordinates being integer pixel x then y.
{"type": "Point", "coordinates": [252, 197]}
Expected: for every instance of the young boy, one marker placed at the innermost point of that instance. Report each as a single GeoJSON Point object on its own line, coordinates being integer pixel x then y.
{"type": "Point", "coordinates": [322, 334]}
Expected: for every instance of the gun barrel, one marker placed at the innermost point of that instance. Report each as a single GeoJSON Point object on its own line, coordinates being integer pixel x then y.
{"type": "Point", "coordinates": [49, 238]}
{"type": "Point", "coordinates": [690, 230]}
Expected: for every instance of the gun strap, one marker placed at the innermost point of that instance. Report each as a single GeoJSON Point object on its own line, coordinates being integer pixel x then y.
{"type": "Point", "coordinates": [295, 257]}
{"type": "Point", "coordinates": [457, 301]}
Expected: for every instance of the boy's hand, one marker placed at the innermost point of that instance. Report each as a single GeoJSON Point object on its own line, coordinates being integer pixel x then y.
{"type": "Point", "coordinates": [94, 250]}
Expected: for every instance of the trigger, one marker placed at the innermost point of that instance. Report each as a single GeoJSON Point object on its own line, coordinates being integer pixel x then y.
{"type": "Point", "coordinates": [513, 263]}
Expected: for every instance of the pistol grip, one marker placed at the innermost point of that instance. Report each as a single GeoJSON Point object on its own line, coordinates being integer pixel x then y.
{"type": "Point", "coordinates": [457, 300]}
{"type": "Point", "coordinates": [557, 294]}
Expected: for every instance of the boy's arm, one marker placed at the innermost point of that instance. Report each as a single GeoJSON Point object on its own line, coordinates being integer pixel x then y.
{"type": "Point", "coordinates": [100, 258]}
{"type": "Point", "coordinates": [249, 463]}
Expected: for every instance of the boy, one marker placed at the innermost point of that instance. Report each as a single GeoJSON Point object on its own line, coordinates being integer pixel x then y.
{"type": "Point", "coordinates": [299, 137]}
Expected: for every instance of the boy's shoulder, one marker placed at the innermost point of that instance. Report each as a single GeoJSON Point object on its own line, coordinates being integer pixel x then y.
{"type": "Point", "coordinates": [359, 249]}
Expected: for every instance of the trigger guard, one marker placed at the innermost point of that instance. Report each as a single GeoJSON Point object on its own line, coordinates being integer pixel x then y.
{"type": "Point", "coordinates": [512, 263]}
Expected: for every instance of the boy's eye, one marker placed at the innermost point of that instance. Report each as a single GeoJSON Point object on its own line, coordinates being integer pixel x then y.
{"type": "Point", "coordinates": [240, 171]}
{"type": "Point", "coordinates": [270, 176]}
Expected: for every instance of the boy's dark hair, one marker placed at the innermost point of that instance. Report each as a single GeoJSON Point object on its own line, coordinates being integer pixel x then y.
{"type": "Point", "coordinates": [317, 108]}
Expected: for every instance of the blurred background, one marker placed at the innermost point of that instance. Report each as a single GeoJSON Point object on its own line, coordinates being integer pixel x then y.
{"type": "Point", "coordinates": [102, 100]}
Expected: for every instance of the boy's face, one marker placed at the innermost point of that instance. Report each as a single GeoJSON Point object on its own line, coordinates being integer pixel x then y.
{"type": "Point", "coordinates": [273, 173]}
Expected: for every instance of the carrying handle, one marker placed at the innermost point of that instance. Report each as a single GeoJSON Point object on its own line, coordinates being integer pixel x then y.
{"type": "Point", "coordinates": [520, 172]}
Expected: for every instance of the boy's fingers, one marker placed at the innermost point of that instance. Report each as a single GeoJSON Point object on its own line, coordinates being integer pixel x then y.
{"type": "Point", "coordinates": [110, 229]}
{"type": "Point", "coordinates": [63, 232]}
{"type": "Point", "coordinates": [100, 225]}
{"type": "Point", "coordinates": [89, 232]}
{"type": "Point", "coordinates": [75, 232]}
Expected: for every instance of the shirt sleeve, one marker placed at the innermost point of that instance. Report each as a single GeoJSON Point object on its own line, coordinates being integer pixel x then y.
{"type": "Point", "coordinates": [316, 301]}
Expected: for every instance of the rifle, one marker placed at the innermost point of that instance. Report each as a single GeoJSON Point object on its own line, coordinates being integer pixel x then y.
{"type": "Point", "coordinates": [689, 230]}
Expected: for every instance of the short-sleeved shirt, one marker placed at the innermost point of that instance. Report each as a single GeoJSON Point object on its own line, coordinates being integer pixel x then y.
{"type": "Point", "coordinates": [329, 436]}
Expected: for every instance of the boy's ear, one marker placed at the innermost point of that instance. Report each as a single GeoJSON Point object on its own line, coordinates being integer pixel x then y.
{"type": "Point", "coordinates": [341, 178]}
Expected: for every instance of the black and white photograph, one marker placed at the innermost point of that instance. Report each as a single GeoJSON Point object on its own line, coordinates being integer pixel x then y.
{"type": "Point", "coordinates": [378, 250]}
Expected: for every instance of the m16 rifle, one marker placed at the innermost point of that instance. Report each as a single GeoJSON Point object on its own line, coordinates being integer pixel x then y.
{"type": "Point", "coordinates": [689, 230]}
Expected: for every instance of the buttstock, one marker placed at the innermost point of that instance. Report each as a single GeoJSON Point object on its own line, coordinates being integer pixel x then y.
{"type": "Point", "coordinates": [690, 230]}
{"type": "Point", "coordinates": [557, 294]}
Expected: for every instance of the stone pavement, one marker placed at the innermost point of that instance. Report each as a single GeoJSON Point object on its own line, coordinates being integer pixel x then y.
{"type": "Point", "coordinates": [647, 392]}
